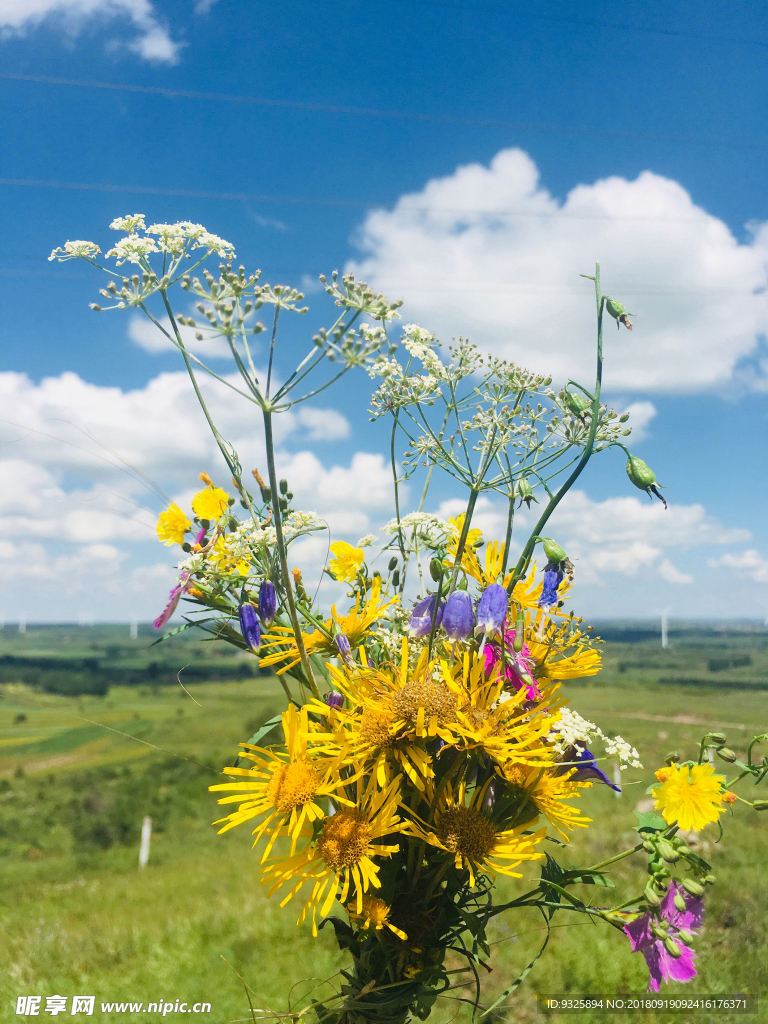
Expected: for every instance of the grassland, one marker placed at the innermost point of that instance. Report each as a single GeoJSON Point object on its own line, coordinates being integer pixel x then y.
{"type": "Point", "coordinates": [78, 917]}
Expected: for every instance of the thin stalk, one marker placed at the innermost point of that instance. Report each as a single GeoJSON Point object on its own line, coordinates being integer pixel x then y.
{"type": "Point", "coordinates": [305, 664]}
{"type": "Point", "coordinates": [272, 348]}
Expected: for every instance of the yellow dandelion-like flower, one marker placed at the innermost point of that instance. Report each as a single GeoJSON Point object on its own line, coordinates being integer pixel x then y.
{"type": "Point", "coordinates": [474, 840]}
{"type": "Point", "coordinates": [283, 786]}
{"type": "Point", "coordinates": [210, 503]}
{"type": "Point", "coordinates": [339, 863]}
{"type": "Point", "coordinates": [172, 525]}
{"type": "Point", "coordinates": [560, 650]}
{"type": "Point", "coordinates": [374, 915]}
{"type": "Point", "coordinates": [692, 797]}
{"type": "Point", "coordinates": [354, 625]}
{"type": "Point", "coordinates": [540, 791]}
{"type": "Point", "coordinates": [663, 774]}
{"type": "Point", "coordinates": [347, 561]}
{"type": "Point", "coordinates": [225, 561]}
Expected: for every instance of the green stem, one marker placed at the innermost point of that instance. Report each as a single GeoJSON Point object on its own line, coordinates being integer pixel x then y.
{"type": "Point", "coordinates": [305, 664]}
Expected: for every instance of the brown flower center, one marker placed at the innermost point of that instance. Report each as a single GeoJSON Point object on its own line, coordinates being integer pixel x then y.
{"type": "Point", "coordinates": [344, 839]}
{"type": "Point", "coordinates": [436, 699]}
{"type": "Point", "coordinates": [292, 785]}
{"type": "Point", "coordinates": [464, 830]}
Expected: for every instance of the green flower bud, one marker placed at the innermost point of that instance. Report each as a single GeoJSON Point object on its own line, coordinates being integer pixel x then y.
{"type": "Point", "coordinates": [396, 578]}
{"type": "Point", "coordinates": [693, 887]}
{"type": "Point", "coordinates": [436, 569]}
{"type": "Point", "coordinates": [709, 879]}
{"type": "Point", "coordinates": [552, 550]}
{"type": "Point", "coordinates": [577, 404]}
{"type": "Point", "coordinates": [643, 477]}
{"type": "Point", "coordinates": [648, 846]}
{"type": "Point", "coordinates": [716, 737]}
{"type": "Point", "coordinates": [462, 584]}
{"type": "Point", "coordinates": [685, 936]}
{"type": "Point", "coordinates": [283, 486]}
{"type": "Point", "coordinates": [519, 640]}
{"type": "Point", "coordinates": [392, 563]}
{"type": "Point", "coordinates": [619, 314]}
{"type": "Point", "coordinates": [668, 852]}
{"type": "Point", "coordinates": [672, 758]}
{"type": "Point", "coordinates": [760, 805]}
{"type": "Point", "coordinates": [266, 495]}
{"type": "Point", "coordinates": [672, 947]}
{"type": "Point", "coordinates": [679, 902]}
{"type": "Point", "coordinates": [624, 418]}
{"type": "Point", "coordinates": [726, 754]}
{"type": "Point", "coordinates": [651, 896]}
{"type": "Point", "coordinates": [525, 491]}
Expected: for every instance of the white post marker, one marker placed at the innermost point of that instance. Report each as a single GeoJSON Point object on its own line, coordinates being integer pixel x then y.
{"type": "Point", "coordinates": [146, 835]}
{"type": "Point", "coordinates": [617, 778]}
{"type": "Point", "coordinates": [134, 633]}
{"type": "Point", "coordinates": [711, 755]}
{"type": "Point", "coordinates": [664, 629]}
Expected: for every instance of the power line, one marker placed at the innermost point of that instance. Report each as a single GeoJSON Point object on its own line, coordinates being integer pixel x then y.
{"type": "Point", "coordinates": [359, 204]}
{"type": "Point", "coordinates": [392, 115]}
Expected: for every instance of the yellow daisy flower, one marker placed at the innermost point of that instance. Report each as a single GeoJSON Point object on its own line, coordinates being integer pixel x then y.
{"type": "Point", "coordinates": [210, 503]}
{"type": "Point", "coordinates": [284, 786]}
{"type": "Point", "coordinates": [374, 915]}
{"type": "Point", "coordinates": [692, 797]}
{"type": "Point", "coordinates": [540, 791]}
{"type": "Point", "coordinates": [172, 525]}
{"type": "Point", "coordinates": [225, 561]}
{"type": "Point", "coordinates": [339, 863]}
{"type": "Point", "coordinates": [354, 625]}
{"type": "Point", "coordinates": [560, 650]}
{"type": "Point", "coordinates": [346, 564]}
{"type": "Point", "coordinates": [473, 839]}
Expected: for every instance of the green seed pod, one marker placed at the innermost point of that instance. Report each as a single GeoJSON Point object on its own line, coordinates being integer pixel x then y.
{"type": "Point", "coordinates": [693, 887]}
{"type": "Point", "coordinates": [289, 495]}
{"type": "Point", "coordinates": [624, 418]}
{"type": "Point", "coordinates": [668, 852]}
{"type": "Point", "coordinates": [524, 488]}
{"type": "Point", "coordinates": [282, 502]}
{"type": "Point", "coordinates": [679, 902]}
{"type": "Point", "coordinates": [760, 805]}
{"type": "Point", "coordinates": [436, 569]}
{"type": "Point", "coordinates": [266, 495]}
{"type": "Point", "coordinates": [577, 404]}
{"type": "Point", "coordinates": [651, 896]}
{"type": "Point", "coordinates": [725, 754]}
{"type": "Point", "coordinates": [283, 486]}
{"type": "Point", "coordinates": [392, 563]}
{"type": "Point", "coordinates": [396, 578]}
{"type": "Point", "coordinates": [186, 547]}
{"type": "Point", "coordinates": [672, 947]}
{"type": "Point", "coordinates": [615, 308]}
{"type": "Point", "coordinates": [230, 501]}
{"type": "Point", "coordinates": [716, 737]}
{"type": "Point", "coordinates": [640, 474]}
{"type": "Point", "coordinates": [552, 550]}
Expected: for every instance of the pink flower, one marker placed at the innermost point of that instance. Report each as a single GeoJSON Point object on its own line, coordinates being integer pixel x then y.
{"type": "Point", "coordinates": [173, 600]}
{"type": "Point", "coordinates": [518, 664]}
{"type": "Point", "coordinates": [661, 963]}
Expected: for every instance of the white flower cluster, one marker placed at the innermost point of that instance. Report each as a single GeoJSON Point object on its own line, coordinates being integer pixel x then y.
{"type": "Point", "coordinates": [574, 731]}
{"type": "Point", "coordinates": [73, 250]}
{"type": "Point", "coordinates": [366, 541]}
{"type": "Point", "coordinates": [303, 522]}
{"type": "Point", "coordinates": [435, 530]}
{"type": "Point", "coordinates": [132, 249]}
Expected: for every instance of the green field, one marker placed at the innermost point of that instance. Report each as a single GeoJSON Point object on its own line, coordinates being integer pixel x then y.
{"type": "Point", "coordinates": [79, 918]}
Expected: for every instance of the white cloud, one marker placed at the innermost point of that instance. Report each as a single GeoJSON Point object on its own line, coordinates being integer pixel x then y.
{"type": "Point", "coordinates": [487, 252]}
{"type": "Point", "coordinates": [749, 563]}
{"type": "Point", "coordinates": [640, 415]}
{"type": "Point", "coordinates": [18, 17]}
{"type": "Point", "coordinates": [143, 333]}
{"type": "Point", "coordinates": [323, 424]}
{"type": "Point", "coordinates": [673, 575]}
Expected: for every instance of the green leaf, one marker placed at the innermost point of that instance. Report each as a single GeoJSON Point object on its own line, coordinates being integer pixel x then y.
{"type": "Point", "coordinates": [267, 727]}
{"type": "Point", "coordinates": [577, 876]}
{"type": "Point", "coordinates": [177, 630]}
{"type": "Point", "coordinates": [649, 822]}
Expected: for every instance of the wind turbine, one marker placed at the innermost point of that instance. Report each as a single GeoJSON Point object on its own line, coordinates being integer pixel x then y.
{"type": "Point", "coordinates": [665, 626]}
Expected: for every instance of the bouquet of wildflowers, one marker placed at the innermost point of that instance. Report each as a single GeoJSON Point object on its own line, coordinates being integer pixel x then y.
{"type": "Point", "coordinates": [427, 744]}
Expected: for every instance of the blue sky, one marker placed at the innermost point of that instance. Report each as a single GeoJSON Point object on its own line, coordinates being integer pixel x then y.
{"type": "Point", "coordinates": [619, 132]}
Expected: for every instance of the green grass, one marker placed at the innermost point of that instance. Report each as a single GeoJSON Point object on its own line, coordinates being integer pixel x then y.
{"type": "Point", "coordinates": [78, 917]}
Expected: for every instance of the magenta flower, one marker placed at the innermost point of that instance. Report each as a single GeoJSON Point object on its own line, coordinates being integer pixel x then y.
{"type": "Point", "coordinates": [518, 664]}
{"type": "Point", "coordinates": [661, 963]}
{"type": "Point", "coordinates": [173, 600]}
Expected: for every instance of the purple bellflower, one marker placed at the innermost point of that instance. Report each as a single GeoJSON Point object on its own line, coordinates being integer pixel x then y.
{"type": "Point", "coordinates": [267, 602]}
{"type": "Point", "coordinates": [491, 611]}
{"type": "Point", "coordinates": [173, 600]}
{"type": "Point", "coordinates": [334, 699]}
{"type": "Point", "coordinates": [421, 617]}
{"type": "Point", "coordinates": [661, 963]}
{"type": "Point", "coordinates": [249, 625]}
{"type": "Point", "coordinates": [553, 577]}
{"type": "Point", "coordinates": [586, 768]}
{"type": "Point", "coordinates": [345, 651]}
{"type": "Point", "coordinates": [458, 615]}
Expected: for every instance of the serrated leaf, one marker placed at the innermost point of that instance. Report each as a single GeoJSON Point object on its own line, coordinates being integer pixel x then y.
{"type": "Point", "coordinates": [649, 822]}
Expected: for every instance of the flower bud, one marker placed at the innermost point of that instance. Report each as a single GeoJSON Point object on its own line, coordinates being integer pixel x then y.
{"type": "Point", "coordinates": [693, 887]}
{"type": "Point", "coordinates": [345, 651]}
{"type": "Point", "coordinates": [458, 617]}
{"type": "Point", "coordinates": [643, 477]}
{"type": "Point", "coordinates": [436, 569]}
{"type": "Point", "coordinates": [672, 758]}
{"type": "Point", "coordinates": [651, 896]}
{"type": "Point", "coordinates": [617, 311]}
{"type": "Point", "coordinates": [266, 495]}
{"type": "Point", "coordinates": [726, 754]}
{"type": "Point", "coordinates": [709, 879]}
{"type": "Point", "coordinates": [267, 602]}
{"type": "Point", "coordinates": [552, 550]}
{"type": "Point", "coordinates": [760, 805]}
{"type": "Point", "coordinates": [716, 737]}
{"type": "Point", "coordinates": [283, 485]}
{"type": "Point", "coordinates": [249, 626]}
{"type": "Point", "coordinates": [421, 617]}
{"type": "Point", "coordinates": [680, 902]}
{"type": "Point", "coordinates": [648, 846]}
{"type": "Point", "coordinates": [577, 404]}
{"type": "Point", "coordinates": [492, 609]}
{"type": "Point", "coordinates": [392, 563]}
{"type": "Point", "coordinates": [685, 935]}
{"type": "Point", "coordinates": [672, 947]}
{"type": "Point", "coordinates": [334, 699]}
{"type": "Point", "coordinates": [525, 491]}
{"type": "Point", "coordinates": [396, 578]}
{"type": "Point", "coordinates": [519, 640]}
{"type": "Point", "coordinates": [667, 851]}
